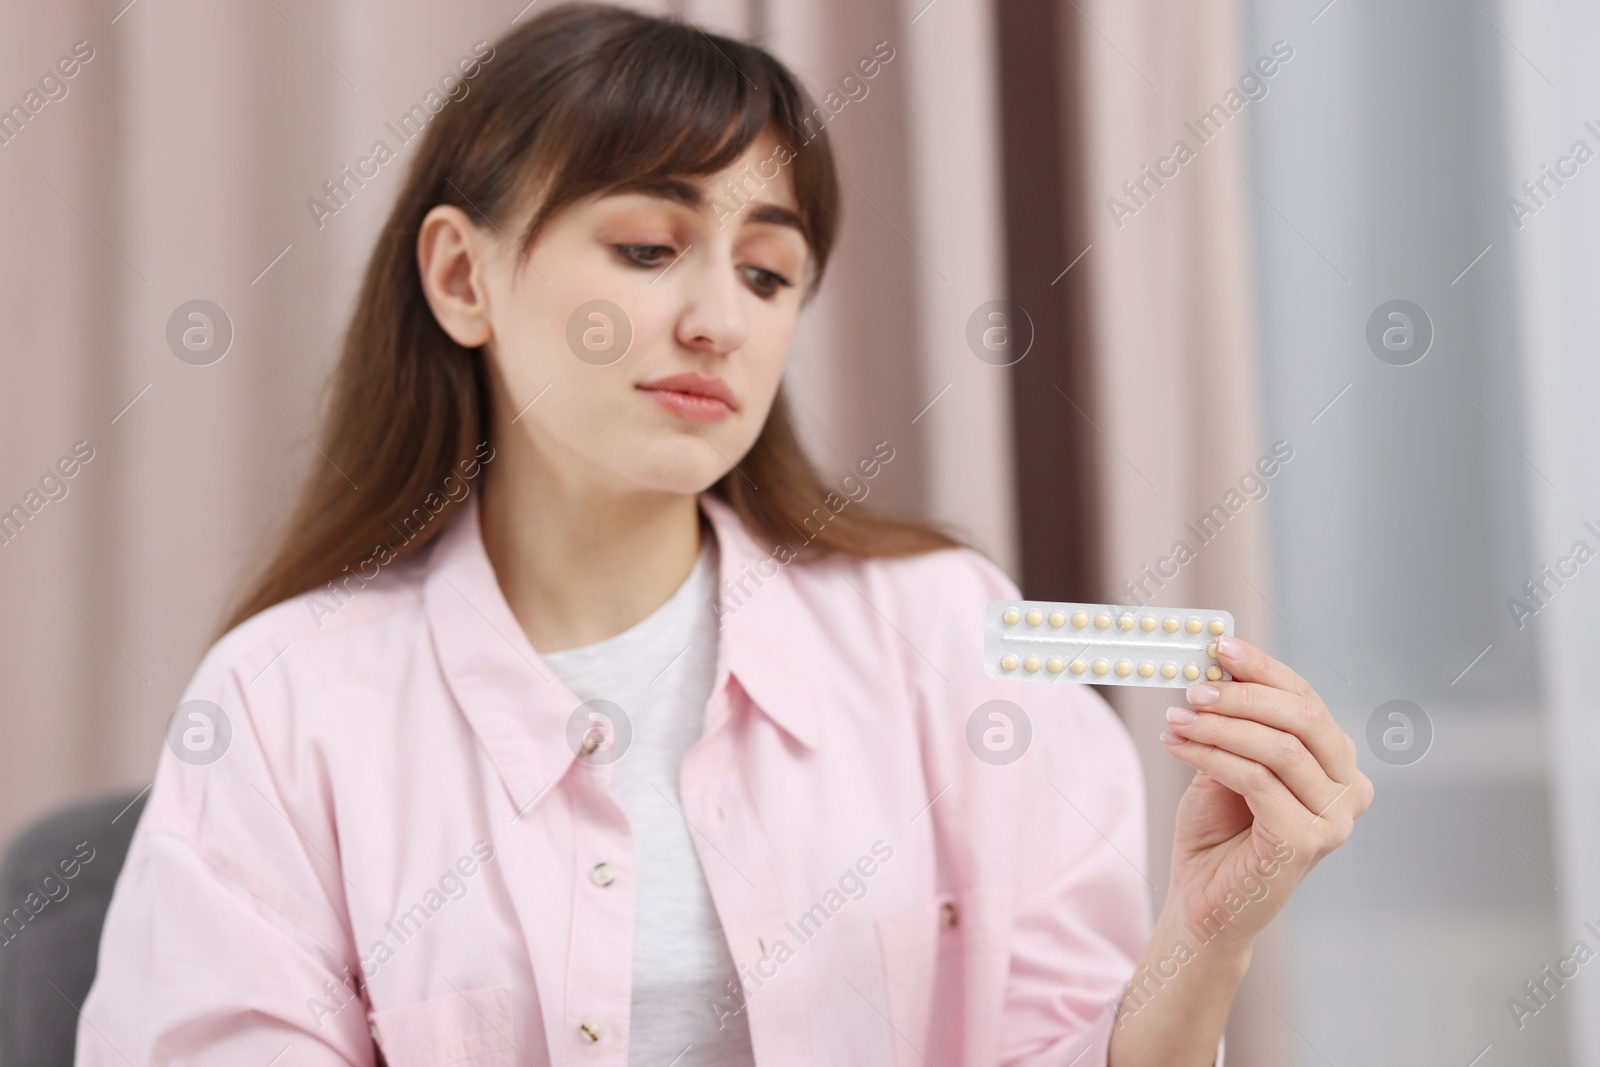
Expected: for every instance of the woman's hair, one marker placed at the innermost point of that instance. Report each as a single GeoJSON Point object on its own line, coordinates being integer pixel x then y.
{"type": "Point", "coordinates": [584, 99]}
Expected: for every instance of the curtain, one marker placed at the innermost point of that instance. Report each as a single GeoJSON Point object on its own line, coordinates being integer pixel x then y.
{"type": "Point", "coordinates": [1551, 249]}
{"type": "Point", "coordinates": [1175, 404]}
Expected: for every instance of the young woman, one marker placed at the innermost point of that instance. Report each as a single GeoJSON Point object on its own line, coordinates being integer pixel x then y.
{"type": "Point", "coordinates": [576, 720]}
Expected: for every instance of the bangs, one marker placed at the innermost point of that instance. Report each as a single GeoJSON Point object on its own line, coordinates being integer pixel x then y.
{"type": "Point", "coordinates": [655, 99]}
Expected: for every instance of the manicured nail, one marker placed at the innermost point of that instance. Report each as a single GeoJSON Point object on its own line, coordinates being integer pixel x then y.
{"type": "Point", "coordinates": [1170, 738]}
{"type": "Point", "coordinates": [1228, 646]}
{"type": "Point", "coordinates": [1181, 716]}
{"type": "Point", "coordinates": [1201, 695]}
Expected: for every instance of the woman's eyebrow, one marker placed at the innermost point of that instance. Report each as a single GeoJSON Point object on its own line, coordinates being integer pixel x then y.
{"type": "Point", "coordinates": [690, 196]}
{"type": "Point", "coordinates": [778, 216]}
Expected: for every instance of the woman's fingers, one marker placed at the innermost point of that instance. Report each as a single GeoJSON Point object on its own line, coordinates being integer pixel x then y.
{"type": "Point", "coordinates": [1269, 799]}
{"type": "Point", "coordinates": [1267, 736]}
{"type": "Point", "coordinates": [1248, 663]}
{"type": "Point", "coordinates": [1278, 751]}
{"type": "Point", "coordinates": [1277, 808]}
{"type": "Point", "coordinates": [1304, 717]}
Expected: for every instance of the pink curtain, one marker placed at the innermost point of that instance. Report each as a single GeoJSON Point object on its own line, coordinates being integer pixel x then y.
{"type": "Point", "coordinates": [1176, 371]}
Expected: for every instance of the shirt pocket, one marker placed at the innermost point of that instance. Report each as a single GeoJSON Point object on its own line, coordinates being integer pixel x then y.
{"type": "Point", "coordinates": [944, 967]}
{"type": "Point", "coordinates": [473, 1028]}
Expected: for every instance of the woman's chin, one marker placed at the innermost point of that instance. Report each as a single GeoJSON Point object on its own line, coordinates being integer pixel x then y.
{"type": "Point", "coordinates": [687, 476]}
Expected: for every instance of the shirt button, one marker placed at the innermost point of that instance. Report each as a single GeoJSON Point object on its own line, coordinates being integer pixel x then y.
{"type": "Point", "coordinates": [603, 874]}
{"type": "Point", "coordinates": [947, 914]}
{"type": "Point", "coordinates": [590, 1029]}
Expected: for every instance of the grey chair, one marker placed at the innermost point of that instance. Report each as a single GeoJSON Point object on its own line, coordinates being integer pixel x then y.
{"type": "Point", "coordinates": [48, 956]}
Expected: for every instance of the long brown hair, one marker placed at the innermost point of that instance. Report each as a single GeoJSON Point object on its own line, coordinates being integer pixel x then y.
{"type": "Point", "coordinates": [582, 99]}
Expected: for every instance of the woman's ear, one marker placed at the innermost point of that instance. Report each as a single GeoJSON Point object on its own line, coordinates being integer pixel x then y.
{"type": "Point", "coordinates": [450, 256]}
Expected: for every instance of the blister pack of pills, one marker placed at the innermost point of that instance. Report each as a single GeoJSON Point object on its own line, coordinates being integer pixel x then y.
{"type": "Point", "coordinates": [1103, 644]}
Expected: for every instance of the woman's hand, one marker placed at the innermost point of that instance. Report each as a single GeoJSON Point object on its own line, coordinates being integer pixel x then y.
{"type": "Point", "coordinates": [1278, 789]}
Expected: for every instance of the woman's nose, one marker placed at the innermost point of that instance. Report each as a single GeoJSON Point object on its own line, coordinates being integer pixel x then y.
{"type": "Point", "coordinates": [713, 315]}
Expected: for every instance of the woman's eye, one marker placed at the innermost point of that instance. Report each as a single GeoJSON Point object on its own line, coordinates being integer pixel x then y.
{"type": "Point", "coordinates": [646, 255]}
{"type": "Point", "coordinates": [765, 282]}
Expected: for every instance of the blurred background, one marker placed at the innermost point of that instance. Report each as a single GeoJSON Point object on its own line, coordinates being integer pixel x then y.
{"type": "Point", "coordinates": [1100, 262]}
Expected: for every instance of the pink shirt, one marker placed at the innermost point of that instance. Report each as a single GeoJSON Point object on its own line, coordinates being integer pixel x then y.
{"type": "Point", "coordinates": [405, 809]}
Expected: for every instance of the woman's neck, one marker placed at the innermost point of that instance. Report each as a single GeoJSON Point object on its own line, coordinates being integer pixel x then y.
{"type": "Point", "coordinates": [577, 565]}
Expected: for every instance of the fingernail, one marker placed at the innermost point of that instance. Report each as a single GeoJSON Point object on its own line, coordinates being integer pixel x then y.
{"type": "Point", "coordinates": [1181, 716]}
{"type": "Point", "coordinates": [1170, 738]}
{"type": "Point", "coordinates": [1228, 646]}
{"type": "Point", "coordinates": [1201, 694]}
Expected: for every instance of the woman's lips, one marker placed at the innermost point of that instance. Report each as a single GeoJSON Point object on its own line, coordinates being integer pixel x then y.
{"type": "Point", "coordinates": [696, 407]}
{"type": "Point", "coordinates": [696, 397]}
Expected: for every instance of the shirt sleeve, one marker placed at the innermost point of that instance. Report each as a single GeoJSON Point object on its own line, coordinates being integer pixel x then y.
{"type": "Point", "coordinates": [224, 941]}
{"type": "Point", "coordinates": [1082, 913]}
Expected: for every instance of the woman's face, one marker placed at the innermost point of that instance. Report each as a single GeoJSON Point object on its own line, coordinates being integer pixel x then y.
{"type": "Point", "coordinates": [642, 340]}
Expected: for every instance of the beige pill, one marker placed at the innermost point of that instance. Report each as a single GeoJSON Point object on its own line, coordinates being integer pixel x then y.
{"type": "Point", "coordinates": [1217, 626]}
{"type": "Point", "coordinates": [1055, 664]}
{"type": "Point", "coordinates": [1124, 668]}
{"type": "Point", "coordinates": [1146, 670]}
{"type": "Point", "coordinates": [1008, 662]}
{"type": "Point", "coordinates": [1101, 666]}
{"type": "Point", "coordinates": [1169, 670]}
{"type": "Point", "coordinates": [1011, 616]}
{"type": "Point", "coordinates": [1214, 673]}
{"type": "Point", "coordinates": [1148, 623]}
{"type": "Point", "coordinates": [1125, 622]}
{"type": "Point", "coordinates": [1078, 666]}
{"type": "Point", "coordinates": [1102, 622]}
{"type": "Point", "coordinates": [1057, 619]}
{"type": "Point", "coordinates": [1171, 625]}
{"type": "Point", "coordinates": [1194, 626]}
{"type": "Point", "coordinates": [1191, 672]}
{"type": "Point", "coordinates": [1080, 620]}
{"type": "Point", "coordinates": [1030, 664]}
{"type": "Point", "coordinates": [1035, 617]}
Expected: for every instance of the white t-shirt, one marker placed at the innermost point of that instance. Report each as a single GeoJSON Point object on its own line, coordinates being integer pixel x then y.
{"type": "Point", "coordinates": [660, 673]}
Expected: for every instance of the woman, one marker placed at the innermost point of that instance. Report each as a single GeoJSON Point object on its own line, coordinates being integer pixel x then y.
{"type": "Point", "coordinates": [577, 720]}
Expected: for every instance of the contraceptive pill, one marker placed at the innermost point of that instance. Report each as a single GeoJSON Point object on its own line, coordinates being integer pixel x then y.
{"type": "Point", "coordinates": [1103, 644]}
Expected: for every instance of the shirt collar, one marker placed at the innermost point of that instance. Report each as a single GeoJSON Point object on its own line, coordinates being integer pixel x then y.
{"type": "Point", "coordinates": [519, 708]}
{"type": "Point", "coordinates": [767, 632]}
